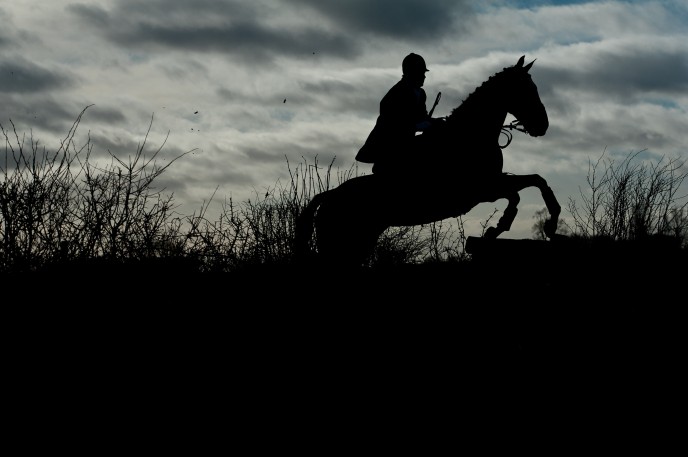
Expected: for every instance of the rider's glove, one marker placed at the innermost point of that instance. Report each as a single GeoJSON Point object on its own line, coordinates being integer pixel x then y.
{"type": "Point", "coordinates": [421, 126]}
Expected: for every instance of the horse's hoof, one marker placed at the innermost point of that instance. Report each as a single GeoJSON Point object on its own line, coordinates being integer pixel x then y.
{"type": "Point", "coordinates": [550, 227]}
{"type": "Point", "coordinates": [491, 233]}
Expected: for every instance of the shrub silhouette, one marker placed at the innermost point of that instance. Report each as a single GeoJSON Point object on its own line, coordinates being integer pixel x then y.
{"type": "Point", "coordinates": [633, 200]}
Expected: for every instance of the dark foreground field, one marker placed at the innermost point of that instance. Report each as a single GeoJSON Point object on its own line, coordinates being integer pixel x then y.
{"type": "Point", "coordinates": [600, 334]}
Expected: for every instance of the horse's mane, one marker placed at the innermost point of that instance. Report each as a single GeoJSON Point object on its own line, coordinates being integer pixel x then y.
{"type": "Point", "coordinates": [476, 97]}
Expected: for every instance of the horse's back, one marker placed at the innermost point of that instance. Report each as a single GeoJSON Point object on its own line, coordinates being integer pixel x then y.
{"type": "Point", "coordinates": [352, 202]}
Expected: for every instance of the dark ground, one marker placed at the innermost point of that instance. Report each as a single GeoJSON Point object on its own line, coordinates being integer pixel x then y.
{"type": "Point", "coordinates": [601, 335]}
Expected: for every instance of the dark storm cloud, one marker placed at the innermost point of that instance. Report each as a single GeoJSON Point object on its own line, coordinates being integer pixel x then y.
{"type": "Point", "coordinates": [5, 33]}
{"type": "Point", "coordinates": [330, 87]}
{"type": "Point", "coordinates": [42, 113]}
{"type": "Point", "coordinates": [252, 30]}
{"type": "Point", "coordinates": [341, 96]}
{"type": "Point", "coordinates": [252, 41]}
{"type": "Point", "coordinates": [45, 114]}
{"type": "Point", "coordinates": [110, 116]}
{"type": "Point", "coordinates": [121, 146]}
{"type": "Point", "coordinates": [93, 15]}
{"type": "Point", "coordinates": [320, 144]}
{"type": "Point", "coordinates": [399, 19]}
{"type": "Point", "coordinates": [623, 76]}
{"type": "Point", "coordinates": [189, 11]}
{"type": "Point", "coordinates": [18, 75]}
{"type": "Point", "coordinates": [213, 26]}
{"type": "Point", "coordinates": [660, 71]}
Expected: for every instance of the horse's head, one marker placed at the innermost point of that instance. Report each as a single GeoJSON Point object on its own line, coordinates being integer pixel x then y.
{"type": "Point", "coordinates": [524, 101]}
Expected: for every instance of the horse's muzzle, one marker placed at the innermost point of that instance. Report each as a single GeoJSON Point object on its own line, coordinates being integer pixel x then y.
{"type": "Point", "coordinates": [540, 130]}
{"type": "Point", "coordinates": [538, 125]}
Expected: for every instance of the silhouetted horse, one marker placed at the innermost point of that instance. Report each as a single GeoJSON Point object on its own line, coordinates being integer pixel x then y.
{"type": "Point", "coordinates": [459, 166]}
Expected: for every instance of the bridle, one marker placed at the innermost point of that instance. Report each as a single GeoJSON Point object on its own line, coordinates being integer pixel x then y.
{"type": "Point", "coordinates": [514, 125]}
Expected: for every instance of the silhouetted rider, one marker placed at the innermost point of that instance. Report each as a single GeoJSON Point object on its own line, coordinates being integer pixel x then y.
{"type": "Point", "coordinates": [390, 144]}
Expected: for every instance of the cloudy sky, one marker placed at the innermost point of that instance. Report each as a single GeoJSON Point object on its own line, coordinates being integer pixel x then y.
{"type": "Point", "coordinates": [251, 85]}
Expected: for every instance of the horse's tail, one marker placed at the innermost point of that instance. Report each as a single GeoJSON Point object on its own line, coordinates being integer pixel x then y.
{"type": "Point", "coordinates": [303, 227]}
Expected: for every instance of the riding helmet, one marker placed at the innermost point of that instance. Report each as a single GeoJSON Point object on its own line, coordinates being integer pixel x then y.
{"type": "Point", "coordinates": [413, 63]}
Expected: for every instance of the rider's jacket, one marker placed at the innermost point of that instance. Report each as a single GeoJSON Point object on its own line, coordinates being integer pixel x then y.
{"type": "Point", "coordinates": [401, 110]}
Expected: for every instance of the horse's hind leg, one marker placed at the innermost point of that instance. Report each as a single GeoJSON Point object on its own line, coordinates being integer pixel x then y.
{"type": "Point", "coordinates": [345, 239]}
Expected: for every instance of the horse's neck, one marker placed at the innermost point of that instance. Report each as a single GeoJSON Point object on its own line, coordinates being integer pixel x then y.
{"type": "Point", "coordinates": [482, 124]}
{"type": "Point", "coordinates": [483, 113]}
{"type": "Point", "coordinates": [487, 124]}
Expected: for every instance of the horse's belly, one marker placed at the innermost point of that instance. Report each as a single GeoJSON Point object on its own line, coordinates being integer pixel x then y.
{"type": "Point", "coordinates": [430, 204]}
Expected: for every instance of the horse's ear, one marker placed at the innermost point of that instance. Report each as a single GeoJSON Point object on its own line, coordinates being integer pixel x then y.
{"type": "Point", "coordinates": [520, 61]}
{"type": "Point", "coordinates": [527, 67]}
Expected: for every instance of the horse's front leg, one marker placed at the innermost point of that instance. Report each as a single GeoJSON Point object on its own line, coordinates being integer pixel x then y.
{"type": "Point", "coordinates": [504, 224]}
{"type": "Point", "coordinates": [508, 187]}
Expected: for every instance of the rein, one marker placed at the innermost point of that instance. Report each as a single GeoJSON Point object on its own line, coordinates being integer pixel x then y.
{"type": "Point", "coordinates": [514, 125]}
